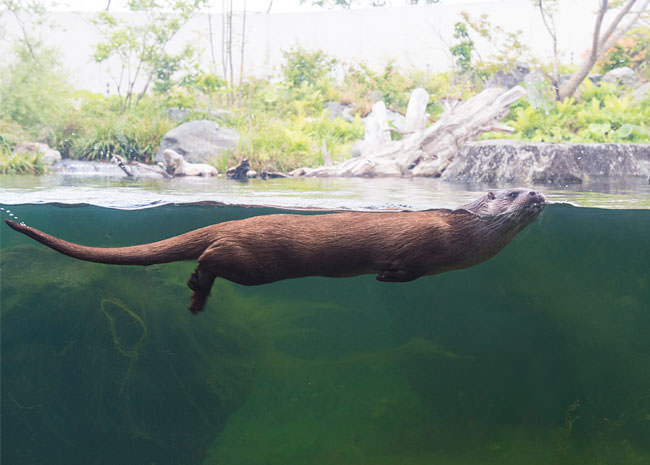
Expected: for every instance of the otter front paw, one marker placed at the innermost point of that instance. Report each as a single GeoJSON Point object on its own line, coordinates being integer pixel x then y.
{"type": "Point", "coordinates": [397, 276]}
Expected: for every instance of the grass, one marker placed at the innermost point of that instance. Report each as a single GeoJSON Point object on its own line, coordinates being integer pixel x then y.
{"type": "Point", "coordinates": [21, 163]}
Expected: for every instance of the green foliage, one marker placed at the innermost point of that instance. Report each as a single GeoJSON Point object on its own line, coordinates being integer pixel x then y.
{"type": "Point", "coordinates": [463, 49]}
{"type": "Point", "coordinates": [506, 46]}
{"type": "Point", "coordinates": [363, 86]}
{"type": "Point", "coordinates": [285, 127]}
{"type": "Point", "coordinates": [143, 47]}
{"type": "Point", "coordinates": [34, 90]}
{"type": "Point", "coordinates": [20, 163]}
{"type": "Point", "coordinates": [306, 67]}
{"type": "Point", "coordinates": [631, 50]}
{"type": "Point", "coordinates": [599, 116]}
{"type": "Point", "coordinates": [99, 129]}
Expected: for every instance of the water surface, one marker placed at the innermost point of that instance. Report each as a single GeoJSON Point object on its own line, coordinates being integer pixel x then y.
{"type": "Point", "coordinates": [540, 355]}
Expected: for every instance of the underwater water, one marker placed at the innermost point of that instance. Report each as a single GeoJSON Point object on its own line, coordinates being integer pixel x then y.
{"type": "Point", "coordinates": [539, 356]}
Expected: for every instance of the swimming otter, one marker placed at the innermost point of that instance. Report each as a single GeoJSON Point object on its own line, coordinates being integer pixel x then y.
{"type": "Point", "coordinates": [397, 246]}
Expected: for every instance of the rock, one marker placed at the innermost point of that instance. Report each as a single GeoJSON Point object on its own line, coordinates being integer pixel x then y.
{"type": "Point", "coordinates": [176, 165]}
{"type": "Point", "coordinates": [339, 110]}
{"type": "Point", "coordinates": [624, 76]}
{"type": "Point", "coordinates": [596, 79]}
{"type": "Point", "coordinates": [102, 169]}
{"type": "Point", "coordinates": [50, 156]}
{"type": "Point", "coordinates": [540, 91]}
{"type": "Point", "coordinates": [198, 141]}
{"type": "Point", "coordinates": [416, 112]}
{"type": "Point", "coordinates": [546, 163]}
{"type": "Point", "coordinates": [240, 171]}
{"type": "Point", "coordinates": [510, 79]}
{"type": "Point", "coordinates": [250, 174]}
{"type": "Point", "coordinates": [640, 93]}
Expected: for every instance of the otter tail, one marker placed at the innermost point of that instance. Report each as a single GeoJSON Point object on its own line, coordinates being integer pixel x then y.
{"type": "Point", "coordinates": [188, 246]}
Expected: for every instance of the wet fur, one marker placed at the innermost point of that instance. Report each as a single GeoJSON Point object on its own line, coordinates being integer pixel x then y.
{"type": "Point", "coordinates": [396, 246]}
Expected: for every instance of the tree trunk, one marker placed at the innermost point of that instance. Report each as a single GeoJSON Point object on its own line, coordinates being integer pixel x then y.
{"type": "Point", "coordinates": [243, 43]}
{"type": "Point", "coordinates": [601, 43]}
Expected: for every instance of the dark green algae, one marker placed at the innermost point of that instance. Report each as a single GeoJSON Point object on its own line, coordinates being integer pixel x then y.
{"type": "Point", "coordinates": [540, 355]}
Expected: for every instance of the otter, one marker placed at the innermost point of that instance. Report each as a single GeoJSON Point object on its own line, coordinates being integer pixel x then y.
{"type": "Point", "coordinates": [396, 246]}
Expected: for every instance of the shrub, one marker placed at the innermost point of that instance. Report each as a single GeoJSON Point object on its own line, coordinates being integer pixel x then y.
{"type": "Point", "coordinates": [20, 163]}
{"type": "Point", "coordinates": [272, 144]}
{"type": "Point", "coordinates": [34, 90]}
{"type": "Point", "coordinates": [306, 67]}
{"type": "Point", "coordinates": [99, 129]}
{"type": "Point", "coordinates": [599, 116]}
{"type": "Point", "coordinates": [631, 50]}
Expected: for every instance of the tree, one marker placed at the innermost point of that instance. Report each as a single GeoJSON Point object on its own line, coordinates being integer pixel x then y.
{"type": "Point", "coordinates": [463, 49]}
{"type": "Point", "coordinates": [34, 89]}
{"type": "Point", "coordinates": [229, 32]}
{"type": "Point", "coordinates": [141, 46]}
{"type": "Point", "coordinates": [602, 41]}
{"type": "Point", "coordinates": [28, 15]}
{"type": "Point", "coordinates": [547, 9]}
{"type": "Point", "coordinates": [506, 48]}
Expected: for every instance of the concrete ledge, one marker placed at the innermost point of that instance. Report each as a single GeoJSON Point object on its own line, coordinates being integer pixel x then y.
{"type": "Point", "coordinates": [546, 163]}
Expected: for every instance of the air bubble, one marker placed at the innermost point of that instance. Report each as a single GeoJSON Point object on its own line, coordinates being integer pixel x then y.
{"type": "Point", "coordinates": [10, 214]}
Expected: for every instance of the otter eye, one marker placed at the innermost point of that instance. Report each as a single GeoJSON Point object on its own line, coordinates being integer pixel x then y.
{"type": "Point", "coordinates": [490, 195]}
{"type": "Point", "coordinates": [513, 195]}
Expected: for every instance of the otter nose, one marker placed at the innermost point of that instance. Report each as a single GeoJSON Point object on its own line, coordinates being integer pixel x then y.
{"type": "Point", "coordinates": [537, 196]}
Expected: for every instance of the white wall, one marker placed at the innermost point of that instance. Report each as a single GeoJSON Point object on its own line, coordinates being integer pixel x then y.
{"type": "Point", "coordinates": [414, 36]}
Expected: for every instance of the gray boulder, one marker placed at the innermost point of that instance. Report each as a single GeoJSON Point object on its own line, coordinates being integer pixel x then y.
{"type": "Point", "coordinates": [50, 156]}
{"type": "Point", "coordinates": [640, 93]}
{"type": "Point", "coordinates": [339, 110]}
{"type": "Point", "coordinates": [546, 163]}
{"type": "Point", "coordinates": [510, 79]}
{"type": "Point", "coordinates": [623, 76]}
{"type": "Point", "coordinates": [198, 141]}
{"type": "Point", "coordinates": [595, 79]}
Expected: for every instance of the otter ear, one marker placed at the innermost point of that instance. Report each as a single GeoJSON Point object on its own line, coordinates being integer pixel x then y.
{"type": "Point", "coordinates": [490, 195]}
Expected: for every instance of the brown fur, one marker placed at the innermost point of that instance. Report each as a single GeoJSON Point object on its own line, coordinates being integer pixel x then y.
{"type": "Point", "coordinates": [397, 246]}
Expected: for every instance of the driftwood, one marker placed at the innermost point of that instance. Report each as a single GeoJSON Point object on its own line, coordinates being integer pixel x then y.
{"type": "Point", "coordinates": [121, 162]}
{"type": "Point", "coordinates": [423, 151]}
{"type": "Point", "coordinates": [240, 171]}
{"type": "Point", "coordinates": [175, 164]}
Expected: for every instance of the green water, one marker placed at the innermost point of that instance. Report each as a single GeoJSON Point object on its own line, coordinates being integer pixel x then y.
{"type": "Point", "coordinates": [538, 356]}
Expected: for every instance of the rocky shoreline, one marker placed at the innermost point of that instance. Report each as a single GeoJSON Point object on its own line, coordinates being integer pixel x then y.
{"type": "Point", "coordinates": [490, 161]}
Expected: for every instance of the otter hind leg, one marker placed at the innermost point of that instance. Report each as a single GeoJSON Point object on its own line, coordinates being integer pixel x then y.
{"type": "Point", "coordinates": [200, 282]}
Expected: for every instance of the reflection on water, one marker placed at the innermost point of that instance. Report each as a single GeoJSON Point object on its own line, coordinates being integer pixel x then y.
{"type": "Point", "coordinates": [538, 356]}
{"type": "Point", "coordinates": [331, 193]}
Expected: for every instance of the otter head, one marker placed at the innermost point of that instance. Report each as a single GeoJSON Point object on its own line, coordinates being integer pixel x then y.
{"type": "Point", "coordinates": [520, 206]}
